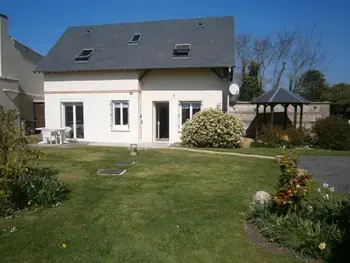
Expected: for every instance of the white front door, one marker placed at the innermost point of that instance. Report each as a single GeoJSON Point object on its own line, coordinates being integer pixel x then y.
{"type": "Point", "coordinates": [73, 116]}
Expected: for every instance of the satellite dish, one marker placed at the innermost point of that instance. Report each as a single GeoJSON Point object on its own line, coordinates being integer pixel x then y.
{"type": "Point", "coordinates": [234, 89]}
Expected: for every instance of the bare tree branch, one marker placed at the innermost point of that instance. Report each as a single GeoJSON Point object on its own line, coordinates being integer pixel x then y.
{"type": "Point", "coordinates": [283, 49]}
{"type": "Point", "coordinates": [263, 55]}
{"type": "Point", "coordinates": [282, 59]}
{"type": "Point", "coordinates": [244, 49]}
{"type": "Point", "coordinates": [307, 54]}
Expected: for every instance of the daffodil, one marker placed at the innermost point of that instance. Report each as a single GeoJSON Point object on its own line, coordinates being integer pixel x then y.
{"type": "Point", "coordinates": [298, 186]}
{"type": "Point", "coordinates": [322, 245]}
{"type": "Point", "coordinates": [64, 246]}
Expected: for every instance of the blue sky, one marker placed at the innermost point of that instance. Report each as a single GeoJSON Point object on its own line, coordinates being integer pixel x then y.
{"type": "Point", "coordinates": [39, 23]}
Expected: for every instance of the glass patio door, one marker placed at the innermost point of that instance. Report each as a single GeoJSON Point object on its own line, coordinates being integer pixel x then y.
{"type": "Point", "coordinates": [74, 118]}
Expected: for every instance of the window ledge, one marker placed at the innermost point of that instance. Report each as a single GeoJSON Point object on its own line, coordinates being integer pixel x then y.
{"type": "Point", "coordinates": [120, 130]}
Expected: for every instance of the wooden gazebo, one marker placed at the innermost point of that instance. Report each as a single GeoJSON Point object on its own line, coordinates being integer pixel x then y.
{"type": "Point", "coordinates": [283, 97]}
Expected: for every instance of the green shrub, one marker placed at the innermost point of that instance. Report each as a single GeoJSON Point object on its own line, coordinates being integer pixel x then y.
{"type": "Point", "coordinates": [20, 183]}
{"type": "Point", "coordinates": [43, 188]}
{"type": "Point", "coordinates": [212, 128]}
{"type": "Point", "coordinates": [332, 133]}
{"type": "Point", "coordinates": [6, 207]}
{"type": "Point", "coordinates": [276, 137]}
{"type": "Point", "coordinates": [302, 234]}
{"type": "Point", "coordinates": [15, 152]}
{"type": "Point", "coordinates": [293, 185]}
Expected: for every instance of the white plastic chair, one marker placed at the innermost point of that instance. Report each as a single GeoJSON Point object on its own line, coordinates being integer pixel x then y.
{"type": "Point", "coordinates": [54, 136]}
{"type": "Point", "coordinates": [49, 135]}
{"type": "Point", "coordinates": [46, 135]}
{"type": "Point", "coordinates": [67, 133]}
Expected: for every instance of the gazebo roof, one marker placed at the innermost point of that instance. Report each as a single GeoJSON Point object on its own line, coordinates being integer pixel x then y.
{"type": "Point", "coordinates": [280, 96]}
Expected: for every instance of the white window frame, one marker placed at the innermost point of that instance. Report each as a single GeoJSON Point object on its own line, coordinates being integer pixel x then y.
{"type": "Point", "coordinates": [73, 102]}
{"type": "Point", "coordinates": [191, 110]}
{"type": "Point", "coordinates": [121, 127]}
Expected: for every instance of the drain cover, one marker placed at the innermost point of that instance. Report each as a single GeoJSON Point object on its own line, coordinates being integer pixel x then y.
{"type": "Point", "coordinates": [124, 163]}
{"type": "Point", "coordinates": [112, 172]}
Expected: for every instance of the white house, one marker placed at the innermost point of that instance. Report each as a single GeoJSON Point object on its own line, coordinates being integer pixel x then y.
{"type": "Point", "coordinates": [137, 82]}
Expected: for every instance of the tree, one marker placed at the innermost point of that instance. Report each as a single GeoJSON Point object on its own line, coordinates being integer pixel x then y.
{"type": "Point", "coordinates": [282, 58]}
{"type": "Point", "coordinates": [251, 87]}
{"type": "Point", "coordinates": [15, 153]}
{"type": "Point", "coordinates": [339, 93]}
{"type": "Point", "coordinates": [312, 85]}
{"type": "Point", "coordinates": [307, 53]}
{"type": "Point", "coordinates": [339, 96]}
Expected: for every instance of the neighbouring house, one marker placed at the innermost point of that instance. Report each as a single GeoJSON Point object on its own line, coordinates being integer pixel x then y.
{"type": "Point", "coordinates": [137, 82]}
{"type": "Point", "coordinates": [20, 87]}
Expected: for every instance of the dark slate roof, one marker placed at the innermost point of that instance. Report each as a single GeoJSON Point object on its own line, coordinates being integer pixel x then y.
{"type": "Point", "coordinates": [278, 96]}
{"type": "Point", "coordinates": [212, 45]}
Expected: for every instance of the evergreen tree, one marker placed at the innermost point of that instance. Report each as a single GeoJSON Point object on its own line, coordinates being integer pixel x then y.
{"type": "Point", "coordinates": [251, 87]}
{"type": "Point", "coordinates": [312, 85]}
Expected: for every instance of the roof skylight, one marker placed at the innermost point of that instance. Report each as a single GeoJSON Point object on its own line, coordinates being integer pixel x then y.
{"type": "Point", "coordinates": [135, 38]}
{"type": "Point", "coordinates": [84, 55]}
{"type": "Point", "coordinates": [182, 50]}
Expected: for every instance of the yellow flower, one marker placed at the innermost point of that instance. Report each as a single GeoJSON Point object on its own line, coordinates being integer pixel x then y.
{"type": "Point", "coordinates": [298, 186]}
{"type": "Point", "coordinates": [322, 245]}
{"type": "Point", "coordinates": [64, 245]}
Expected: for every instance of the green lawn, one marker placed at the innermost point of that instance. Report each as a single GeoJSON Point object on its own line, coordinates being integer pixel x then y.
{"type": "Point", "coordinates": [278, 151]}
{"type": "Point", "coordinates": [172, 206]}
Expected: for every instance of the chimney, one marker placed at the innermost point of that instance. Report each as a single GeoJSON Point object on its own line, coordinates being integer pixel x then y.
{"type": "Point", "coordinates": [4, 34]}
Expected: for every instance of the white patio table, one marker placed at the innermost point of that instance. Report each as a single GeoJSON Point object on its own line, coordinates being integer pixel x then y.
{"type": "Point", "coordinates": [60, 131]}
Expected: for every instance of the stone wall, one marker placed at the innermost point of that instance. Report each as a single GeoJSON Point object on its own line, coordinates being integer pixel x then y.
{"type": "Point", "coordinates": [247, 113]}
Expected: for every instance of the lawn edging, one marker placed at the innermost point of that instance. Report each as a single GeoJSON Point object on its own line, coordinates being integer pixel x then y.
{"type": "Point", "coordinates": [226, 153]}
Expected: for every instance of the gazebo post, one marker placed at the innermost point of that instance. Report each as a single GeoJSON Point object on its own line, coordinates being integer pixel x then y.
{"type": "Point", "coordinates": [295, 114]}
{"type": "Point", "coordinates": [301, 116]}
{"type": "Point", "coordinates": [285, 116]}
{"type": "Point", "coordinates": [257, 121]}
{"type": "Point", "coordinates": [281, 97]}
{"type": "Point", "coordinates": [272, 106]}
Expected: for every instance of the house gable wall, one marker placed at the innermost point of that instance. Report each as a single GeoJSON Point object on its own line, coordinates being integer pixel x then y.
{"type": "Point", "coordinates": [175, 86]}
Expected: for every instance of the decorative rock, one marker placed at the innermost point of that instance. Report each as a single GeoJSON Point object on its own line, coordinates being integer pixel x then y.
{"type": "Point", "coordinates": [278, 158]}
{"type": "Point", "coordinates": [260, 198]}
{"type": "Point", "coordinates": [245, 142]}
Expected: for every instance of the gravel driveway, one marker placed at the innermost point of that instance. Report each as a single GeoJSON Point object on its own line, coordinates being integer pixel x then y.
{"type": "Point", "coordinates": [334, 170]}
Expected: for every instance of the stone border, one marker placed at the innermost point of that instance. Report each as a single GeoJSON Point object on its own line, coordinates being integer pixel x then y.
{"type": "Point", "coordinates": [226, 153]}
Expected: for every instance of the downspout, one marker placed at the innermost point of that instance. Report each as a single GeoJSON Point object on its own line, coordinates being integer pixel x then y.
{"type": "Point", "coordinates": [140, 113]}
{"type": "Point", "coordinates": [225, 93]}
{"type": "Point", "coordinates": [140, 105]}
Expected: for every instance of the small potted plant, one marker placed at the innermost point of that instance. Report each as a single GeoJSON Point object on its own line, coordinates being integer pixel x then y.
{"type": "Point", "coordinates": [133, 149]}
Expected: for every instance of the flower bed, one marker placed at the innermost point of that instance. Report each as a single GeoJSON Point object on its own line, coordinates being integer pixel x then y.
{"type": "Point", "coordinates": [312, 221]}
{"type": "Point", "coordinates": [276, 137]}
